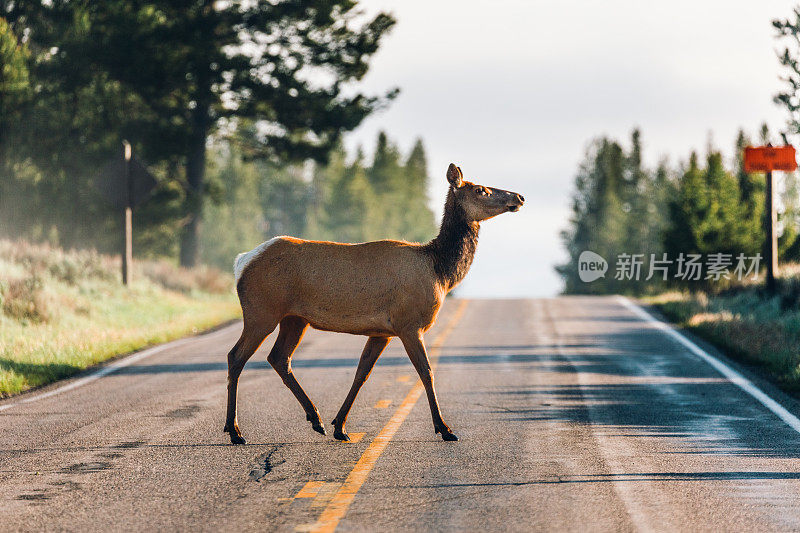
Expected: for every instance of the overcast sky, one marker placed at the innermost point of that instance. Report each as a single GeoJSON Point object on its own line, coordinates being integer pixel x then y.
{"type": "Point", "coordinates": [513, 91]}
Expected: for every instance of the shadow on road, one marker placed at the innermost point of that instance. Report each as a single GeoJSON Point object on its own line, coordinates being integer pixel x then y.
{"type": "Point", "coordinates": [648, 476]}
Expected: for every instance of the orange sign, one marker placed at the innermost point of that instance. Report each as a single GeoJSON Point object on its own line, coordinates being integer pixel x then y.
{"type": "Point", "coordinates": [769, 158]}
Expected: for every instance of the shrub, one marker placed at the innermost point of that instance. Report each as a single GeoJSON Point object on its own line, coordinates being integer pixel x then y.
{"type": "Point", "coordinates": [25, 299]}
{"type": "Point", "coordinates": [169, 276]}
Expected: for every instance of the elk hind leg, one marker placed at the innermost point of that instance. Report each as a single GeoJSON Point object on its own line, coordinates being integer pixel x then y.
{"type": "Point", "coordinates": [248, 343]}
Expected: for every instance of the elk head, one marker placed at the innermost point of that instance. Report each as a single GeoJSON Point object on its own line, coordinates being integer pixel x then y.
{"type": "Point", "coordinates": [480, 202]}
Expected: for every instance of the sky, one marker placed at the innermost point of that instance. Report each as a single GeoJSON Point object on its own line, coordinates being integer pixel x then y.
{"type": "Point", "coordinates": [514, 91]}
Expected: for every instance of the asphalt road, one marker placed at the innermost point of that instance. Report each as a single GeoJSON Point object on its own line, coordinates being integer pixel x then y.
{"type": "Point", "coordinates": [573, 414]}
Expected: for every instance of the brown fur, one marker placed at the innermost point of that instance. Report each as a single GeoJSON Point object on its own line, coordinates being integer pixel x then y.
{"type": "Point", "coordinates": [380, 289]}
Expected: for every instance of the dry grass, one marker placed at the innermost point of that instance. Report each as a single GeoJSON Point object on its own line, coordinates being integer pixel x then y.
{"type": "Point", "coordinates": [62, 311]}
{"type": "Point", "coordinates": [186, 280]}
{"type": "Point", "coordinates": [75, 266]}
{"type": "Point", "coordinates": [747, 323]}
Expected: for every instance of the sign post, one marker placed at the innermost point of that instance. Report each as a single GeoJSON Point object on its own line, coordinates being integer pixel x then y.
{"type": "Point", "coordinates": [767, 159]}
{"type": "Point", "coordinates": [127, 246]}
{"type": "Point", "coordinates": [125, 182]}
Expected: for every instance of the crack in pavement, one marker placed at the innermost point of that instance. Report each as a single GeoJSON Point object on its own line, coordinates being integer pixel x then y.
{"type": "Point", "coordinates": [265, 463]}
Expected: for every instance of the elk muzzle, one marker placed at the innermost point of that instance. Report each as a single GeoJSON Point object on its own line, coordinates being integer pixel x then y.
{"type": "Point", "coordinates": [515, 201]}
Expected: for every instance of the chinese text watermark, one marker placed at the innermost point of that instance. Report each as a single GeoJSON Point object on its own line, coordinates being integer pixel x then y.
{"type": "Point", "coordinates": [686, 267]}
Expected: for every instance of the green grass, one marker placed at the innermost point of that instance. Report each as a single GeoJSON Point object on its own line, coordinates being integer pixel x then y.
{"type": "Point", "coordinates": [62, 312]}
{"type": "Point", "coordinates": [747, 324]}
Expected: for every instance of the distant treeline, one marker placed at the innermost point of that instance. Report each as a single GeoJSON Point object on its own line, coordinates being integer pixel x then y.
{"type": "Point", "coordinates": [248, 201]}
{"type": "Point", "coordinates": [704, 207]}
{"type": "Point", "coordinates": [349, 199]}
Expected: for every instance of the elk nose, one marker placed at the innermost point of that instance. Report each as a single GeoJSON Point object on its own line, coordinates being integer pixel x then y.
{"type": "Point", "coordinates": [521, 198]}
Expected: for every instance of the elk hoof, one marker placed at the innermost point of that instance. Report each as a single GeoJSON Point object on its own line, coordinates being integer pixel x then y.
{"type": "Point", "coordinates": [447, 435]}
{"type": "Point", "coordinates": [236, 435]}
{"type": "Point", "coordinates": [316, 424]}
{"type": "Point", "coordinates": [338, 434]}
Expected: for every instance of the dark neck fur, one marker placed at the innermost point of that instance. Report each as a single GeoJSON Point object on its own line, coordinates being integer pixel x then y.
{"type": "Point", "coordinates": [453, 249]}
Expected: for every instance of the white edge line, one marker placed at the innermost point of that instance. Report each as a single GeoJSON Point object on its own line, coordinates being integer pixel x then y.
{"type": "Point", "coordinates": [733, 376]}
{"type": "Point", "coordinates": [116, 365]}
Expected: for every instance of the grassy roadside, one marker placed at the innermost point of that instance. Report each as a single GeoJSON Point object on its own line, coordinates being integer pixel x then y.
{"type": "Point", "coordinates": [61, 312]}
{"type": "Point", "coordinates": [746, 324]}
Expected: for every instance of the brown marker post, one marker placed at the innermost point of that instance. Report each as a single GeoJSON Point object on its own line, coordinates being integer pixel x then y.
{"type": "Point", "coordinates": [772, 237]}
{"type": "Point", "coordinates": [767, 159]}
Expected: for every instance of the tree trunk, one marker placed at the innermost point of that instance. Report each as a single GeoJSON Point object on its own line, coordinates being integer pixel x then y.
{"type": "Point", "coordinates": [195, 177]}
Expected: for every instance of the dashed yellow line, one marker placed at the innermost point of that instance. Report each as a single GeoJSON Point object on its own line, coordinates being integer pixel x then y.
{"type": "Point", "coordinates": [337, 507]}
{"type": "Point", "coordinates": [355, 437]}
{"type": "Point", "coordinates": [383, 404]}
{"type": "Point", "coordinates": [405, 378]}
{"type": "Point", "coordinates": [325, 494]}
{"type": "Point", "coordinates": [310, 489]}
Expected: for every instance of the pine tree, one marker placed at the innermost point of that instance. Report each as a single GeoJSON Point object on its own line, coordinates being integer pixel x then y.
{"type": "Point", "coordinates": [789, 220]}
{"type": "Point", "coordinates": [662, 190]}
{"type": "Point", "coordinates": [234, 222]}
{"type": "Point", "coordinates": [721, 224]}
{"type": "Point", "coordinates": [634, 196]}
{"type": "Point", "coordinates": [15, 91]}
{"type": "Point", "coordinates": [789, 30]}
{"type": "Point", "coordinates": [14, 80]}
{"type": "Point", "coordinates": [190, 67]}
{"type": "Point", "coordinates": [347, 207]}
{"type": "Point", "coordinates": [386, 179]}
{"type": "Point", "coordinates": [599, 219]}
{"type": "Point", "coordinates": [687, 211]}
{"type": "Point", "coordinates": [285, 195]}
{"type": "Point", "coordinates": [751, 199]}
{"type": "Point", "coordinates": [419, 224]}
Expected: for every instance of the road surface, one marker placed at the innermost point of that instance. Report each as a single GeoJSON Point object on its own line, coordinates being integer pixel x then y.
{"type": "Point", "coordinates": [573, 414]}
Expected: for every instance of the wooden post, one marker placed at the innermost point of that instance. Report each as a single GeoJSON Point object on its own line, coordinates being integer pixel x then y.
{"type": "Point", "coordinates": [127, 250]}
{"type": "Point", "coordinates": [772, 238]}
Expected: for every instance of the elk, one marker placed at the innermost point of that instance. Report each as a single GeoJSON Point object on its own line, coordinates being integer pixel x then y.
{"type": "Point", "coordinates": [380, 289]}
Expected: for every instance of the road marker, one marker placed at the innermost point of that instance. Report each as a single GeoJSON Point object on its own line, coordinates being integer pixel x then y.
{"type": "Point", "coordinates": [325, 495]}
{"type": "Point", "coordinates": [382, 404]}
{"type": "Point", "coordinates": [337, 507]}
{"type": "Point", "coordinates": [354, 437]}
{"type": "Point", "coordinates": [732, 375]}
{"type": "Point", "coordinates": [405, 378]}
{"type": "Point", "coordinates": [117, 365]}
{"type": "Point", "coordinates": [309, 490]}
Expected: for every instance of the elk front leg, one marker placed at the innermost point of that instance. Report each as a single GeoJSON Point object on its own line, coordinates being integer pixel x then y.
{"type": "Point", "coordinates": [415, 347]}
{"type": "Point", "coordinates": [291, 331]}
{"type": "Point", "coordinates": [372, 350]}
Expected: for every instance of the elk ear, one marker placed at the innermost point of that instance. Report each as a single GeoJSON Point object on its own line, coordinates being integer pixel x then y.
{"type": "Point", "coordinates": [454, 175]}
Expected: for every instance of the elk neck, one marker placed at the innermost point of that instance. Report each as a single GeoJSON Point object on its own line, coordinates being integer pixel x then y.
{"type": "Point", "coordinates": [453, 249]}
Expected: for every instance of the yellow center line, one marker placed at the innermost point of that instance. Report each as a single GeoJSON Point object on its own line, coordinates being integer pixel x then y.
{"type": "Point", "coordinates": [337, 507]}
{"type": "Point", "coordinates": [355, 437]}
{"type": "Point", "coordinates": [383, 404]}
{"type": "Point", "coordinates": [310, 489]}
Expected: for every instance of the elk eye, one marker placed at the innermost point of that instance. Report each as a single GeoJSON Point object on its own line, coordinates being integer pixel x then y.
{"type": "Point", "coordinates": [484, 191]}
